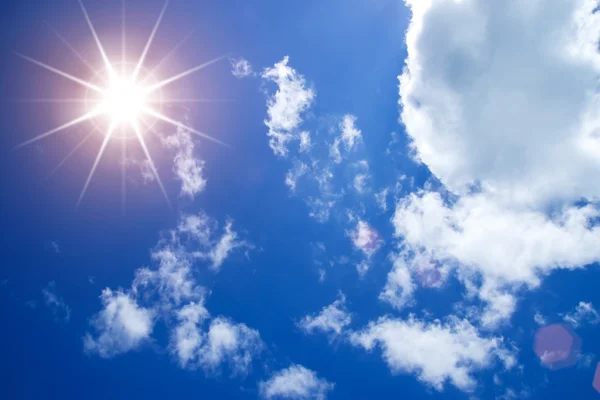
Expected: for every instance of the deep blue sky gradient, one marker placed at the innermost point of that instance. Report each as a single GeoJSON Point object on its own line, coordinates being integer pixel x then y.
{"type": "Point", "coordinates": [351, 51]}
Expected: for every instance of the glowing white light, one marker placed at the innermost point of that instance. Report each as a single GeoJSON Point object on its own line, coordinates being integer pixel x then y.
{"type": "Point", "coordinates": [121, 98]}
{"type": "Point", "coordinates": [124, 100]}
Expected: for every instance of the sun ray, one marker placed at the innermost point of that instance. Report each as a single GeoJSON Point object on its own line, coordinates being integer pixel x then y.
{"type": "Point", "coordinates": [123, 38]}
{"type": "Point", "coordinates": [98, 157]}
{"type": "Point", "coordinates": [191, 100]}
{"type": "Point", "coordinates": [107, 63]}
{"type": "Point", "coordinates": [180, 125]}
{"type": "Point", "coordinates": [149, 158]}
{"type": "Point", "coordinates": [50, 100]}
{"type": "Point", "coordinates": [140, 62]}
{"type": "Point", "coordinates": [166, 57]}
{"type": "Point", "coordinates": [123, 175]}
{"type": "Point", "coordinates": [69, 124]}
{"type": "Point", "coordinates": [172, 79]}
{"type": "Point", "coordinates": [70, 47]}
{"type": "Point", "coordinates": [61, 73]}
{"type": "Point", "coordinates": [73, 151]}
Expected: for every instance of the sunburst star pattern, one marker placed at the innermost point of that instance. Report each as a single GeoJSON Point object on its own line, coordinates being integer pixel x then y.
{"type": "Point", "coordinates": [120, 98]}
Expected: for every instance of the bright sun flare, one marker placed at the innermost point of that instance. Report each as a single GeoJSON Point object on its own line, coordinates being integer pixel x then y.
{"type": "Point", "coordinates": [127, 98]}
{"type": "Point", "coordinates": [124, 100]}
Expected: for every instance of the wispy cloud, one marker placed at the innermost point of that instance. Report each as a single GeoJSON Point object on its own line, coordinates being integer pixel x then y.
{"type": "Point", "coordinates": [56, 304]}
{"type": "Point", "coordinates": [241, 67]}
{"type": "Point", "coordinates": [582, 314]}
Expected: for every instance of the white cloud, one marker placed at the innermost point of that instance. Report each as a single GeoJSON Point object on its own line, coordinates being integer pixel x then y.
{"type": "Point", "coordinates": [400, 286]}
{"type": "Point", "coordinates": [224, 342]}
{"type": "Point", "coordinates": [360, 182]}
{"type": "Point", "coordinates": [296, 383]}
{"type": "Point", "coordinates": [540, 319]}
{"type": "Point", "coordinates": [172, 280]}
{"type": "Point", "coordinates": [286, 106]}
{"type": "Point", "coordinates": [188, 168]}
{"type": "Point", "coordinates": [56, 304]}
{"type": "Point", "coordinates": [381, 199]}
{"type": "Point", "coordinates": [146, 171]}
{"type": "Point", "coordinates": [501, 97]}
{"type": "Point", "coordinates": [435, 352]}
{"type": "Point", "coordinates": [305, 142]}
{"type": "Point", "coordinates": [505, 94]}
{"type": "Point", "coordinates": [294, 174]}
{"type": "Point", "coordinates": [319, 208]}
{"type": "Point", "coordinates": [121, 326]}
{"type": "Point", "coordinates": [349, 137]}
{"type": "Point", "coordinates": [508, 248]}
{"type": "Point", "coordinates": [365, 238]}
{"type": "Point", "coordinates": [332, 319]}
{"type": "Point", "coordinates": [322, 275]}
{"type": "Point", "coordinates": [362, 268]}
{"type": "Point", "coordinates": [241, 68]}
{"type": "Point", "coordinates": [202, 229]}
{"type": "Point", "coordinates": [583, 313]}
{"type": "Point", "coordinates": [235, 344]}
{"type": "Point", "coordinates": [187, 337]}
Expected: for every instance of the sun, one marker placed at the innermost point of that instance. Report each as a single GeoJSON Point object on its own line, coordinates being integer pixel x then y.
{"type": "Point", "coordinates": [122, 99]}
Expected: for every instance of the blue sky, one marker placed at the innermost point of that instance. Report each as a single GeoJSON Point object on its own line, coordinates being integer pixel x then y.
{"type": "Point", "coordinates": [407, 206]}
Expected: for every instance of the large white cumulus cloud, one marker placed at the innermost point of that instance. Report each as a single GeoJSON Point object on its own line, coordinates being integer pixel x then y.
{"type": "Point", "coordinates": [499, 100]}
{"type": "Point", "coordinates": [504, 93]}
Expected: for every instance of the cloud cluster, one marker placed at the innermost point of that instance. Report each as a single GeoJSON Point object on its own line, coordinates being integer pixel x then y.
{"type": "Point", "coordinates": [325, 150]}
{"type": "Point", "coordinates": [167, 292]}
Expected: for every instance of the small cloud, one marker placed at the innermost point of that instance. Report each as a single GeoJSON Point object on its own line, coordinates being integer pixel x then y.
{"type": "Point", "coordinates": [187, 167]}
{"type": "Point", "coordinates": [363, 268]}
{"type": "Point", "coordinates": [296, 383]}
{"type": "Point", "coordinates": [350, 136]}
{"type": "Point", "coordinates": [322, 275]}
{"type": "Point", "coordinates": [201, 228]}
{"type": "Point", "coordinates": [285, 108]}
{"type": "Point", "coordinates": [225, 342]}
{"type": "Point", "coordinates": [583, 313]}
{"type": "Point", "coordinates": [52, 246]}
{"type": "Point", "coordinates": [381, 199]}
{"type": "Point", "coordinates": [121, 326]}
{"type": "Point", "coordinates": [305, 142]}
{"type": "Point", "coordinates": [540, 319]}
{"type": "Point", "coordinates": [241, 68]}
{"type": "Point", "coordinates": [331, 320]}
{"type": "Point", "coordinates": [60, 309]}
{"type": "Point", "coordinates": [365, 238]}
